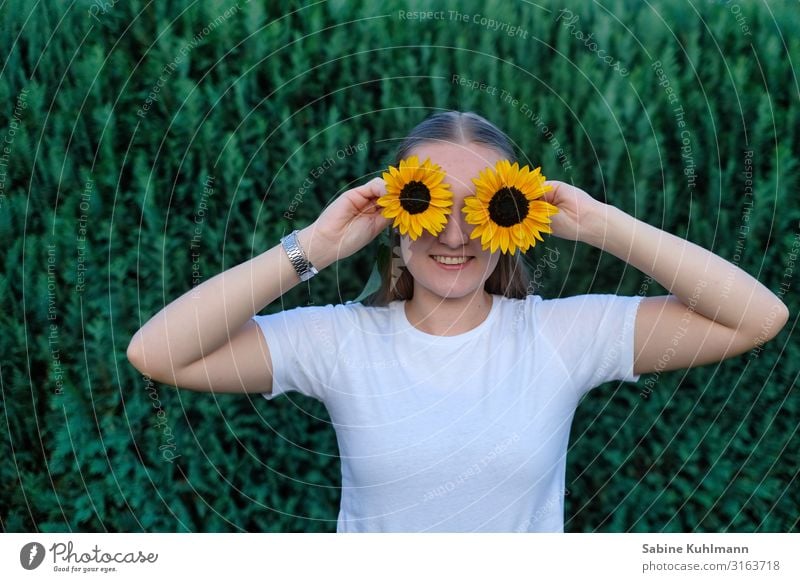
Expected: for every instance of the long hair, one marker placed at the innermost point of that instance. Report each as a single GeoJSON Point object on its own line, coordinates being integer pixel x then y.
{"type": "Point", "coordinates": [510, 277]}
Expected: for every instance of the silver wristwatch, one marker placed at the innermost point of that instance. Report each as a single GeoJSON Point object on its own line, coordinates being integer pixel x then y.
{"type": "Point", "coordinates": [305, 270]}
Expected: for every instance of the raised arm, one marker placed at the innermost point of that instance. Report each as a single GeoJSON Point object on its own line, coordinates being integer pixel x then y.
{"type": "Point", "coordinates": [206, 339]}
{"type": "Point", "coordinates": [715, 310]}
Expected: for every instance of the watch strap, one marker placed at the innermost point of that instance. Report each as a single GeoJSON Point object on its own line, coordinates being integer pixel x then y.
{"type": "Point", "coordinates": [302, 266]}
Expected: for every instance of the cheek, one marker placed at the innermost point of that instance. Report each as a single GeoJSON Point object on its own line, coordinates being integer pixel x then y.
{"type": "Point", "coordinates": [413, 250]}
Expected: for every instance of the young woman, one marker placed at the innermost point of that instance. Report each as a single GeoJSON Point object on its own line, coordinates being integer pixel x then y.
{"type": "Point", "coordinates": [453, 388]}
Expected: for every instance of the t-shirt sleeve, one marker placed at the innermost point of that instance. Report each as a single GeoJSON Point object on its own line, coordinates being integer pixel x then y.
{"type": "Point", "coordinates": [303, 347]}
{"type": "Point", "coordinates": [593, 335]}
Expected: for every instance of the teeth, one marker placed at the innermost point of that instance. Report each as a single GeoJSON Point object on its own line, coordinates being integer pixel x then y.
{"type": "Point", "coordinates": [451, 260]}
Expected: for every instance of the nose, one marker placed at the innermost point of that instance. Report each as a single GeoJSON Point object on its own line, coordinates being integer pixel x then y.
{"type": "Point", "coordinates": [456, 230]}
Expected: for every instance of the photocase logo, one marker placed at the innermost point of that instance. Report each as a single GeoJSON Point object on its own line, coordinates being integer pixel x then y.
{"type": "Point", "coordinates": [31, 555]}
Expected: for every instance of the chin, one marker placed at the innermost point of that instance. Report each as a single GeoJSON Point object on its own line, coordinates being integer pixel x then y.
{"type": "Point", "coordinates": [453, 290]}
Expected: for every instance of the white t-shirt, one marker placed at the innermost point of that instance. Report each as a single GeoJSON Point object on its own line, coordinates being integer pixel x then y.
{"type": "Point", "coordinates": [453, 433]}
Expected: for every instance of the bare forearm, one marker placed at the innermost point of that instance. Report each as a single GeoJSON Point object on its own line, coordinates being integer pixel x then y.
{"type": "Point", "coordinates": [712, 286]}
{"type": "Point", "coordinates": [203, 319]}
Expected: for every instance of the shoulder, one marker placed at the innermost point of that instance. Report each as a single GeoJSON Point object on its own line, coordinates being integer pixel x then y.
{"type": "Point", "coordinates": [576, 311]}
{"type": "Point", "coordinates": [339, 312]}
{"type": "Point", "coordinates": [582, 303]}
{"type": "Point", "coordinates": [358, 310]}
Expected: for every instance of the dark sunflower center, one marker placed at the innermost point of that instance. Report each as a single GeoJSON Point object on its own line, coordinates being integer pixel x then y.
{"type": "Point", "coordinates": [508, 207]}
{"type": "Point", "coordinates": [415, 197]}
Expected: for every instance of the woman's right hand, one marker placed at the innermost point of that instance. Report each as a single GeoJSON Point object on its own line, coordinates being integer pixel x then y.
{"type": "Point", "coordinates": [353, 220]}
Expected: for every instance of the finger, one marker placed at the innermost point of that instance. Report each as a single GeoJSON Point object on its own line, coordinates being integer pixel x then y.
{"type": "Point", "coordinates": [550, 195]}
{"type": "Point", "coordinates": [364, 196]}
{"type": "Point", "coordinates": [553, 185]}
{"type": "Point", "coordinates": [376, 187]}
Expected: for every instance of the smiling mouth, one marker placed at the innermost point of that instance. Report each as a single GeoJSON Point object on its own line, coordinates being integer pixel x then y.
{"type": "Point", "coordinates": [445, 260]}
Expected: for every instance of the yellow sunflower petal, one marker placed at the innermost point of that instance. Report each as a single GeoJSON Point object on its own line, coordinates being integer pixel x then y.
{"type": "Point", "coordinates": [401, 223]}
{"type": "Point", "coordinates": [434, 180]}
{"type": "Point", "coordinates": [473, 202]}
{"type": "Point", "coordinates": [391, 212]}
{"type": "Point", "coordinates": [503, 236]}
{"type": "Point", "coordinates": [488, 233]}
{"type": "Point", "coordinates": [518, 235]}
{"type": "Point", "coordinates": [408, 169]}
{"type": "Point", "coordinates": [512, 247]}
{"type": "Point", "coordinates": [494, 243]}
{"type": "Point", "coordinates": [443, 204]}
{"type": "Point", "coordinates": [511, 174]}
{"type": "Point", "coordinates": [487, 183]}
{"type": "Point", "coordinates": [416, 228]}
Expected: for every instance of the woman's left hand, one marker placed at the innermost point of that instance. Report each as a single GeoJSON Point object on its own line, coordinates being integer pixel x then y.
{"type": "Point", "coordinates": [578, 213]}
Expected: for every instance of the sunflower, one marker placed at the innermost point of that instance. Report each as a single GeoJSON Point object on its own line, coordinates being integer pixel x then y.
{"type": "Point", "coordinates": [506, 209]}
{"type": "Point", "coordinates": [416, 197]}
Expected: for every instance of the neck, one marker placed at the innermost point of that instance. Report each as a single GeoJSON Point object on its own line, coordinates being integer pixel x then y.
{"type": "Point", "coordinates": [444, 316]}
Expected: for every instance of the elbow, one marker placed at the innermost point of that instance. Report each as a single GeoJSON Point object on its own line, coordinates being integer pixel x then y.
{"type": "Point", "coordinates": [148, 362]}
{"type": "Point", "coordinates": [771, 324]}
{"type": "Point", "coordinates": [776, 318]}
{"type": "Point", "coordinates": [781, 317]}
{"type": "Point", "coordinates": [134, 353]}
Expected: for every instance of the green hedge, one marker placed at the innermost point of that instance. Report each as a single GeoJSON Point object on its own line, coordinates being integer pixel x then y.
{"type": "Point", "coordinates": [119, 117]}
